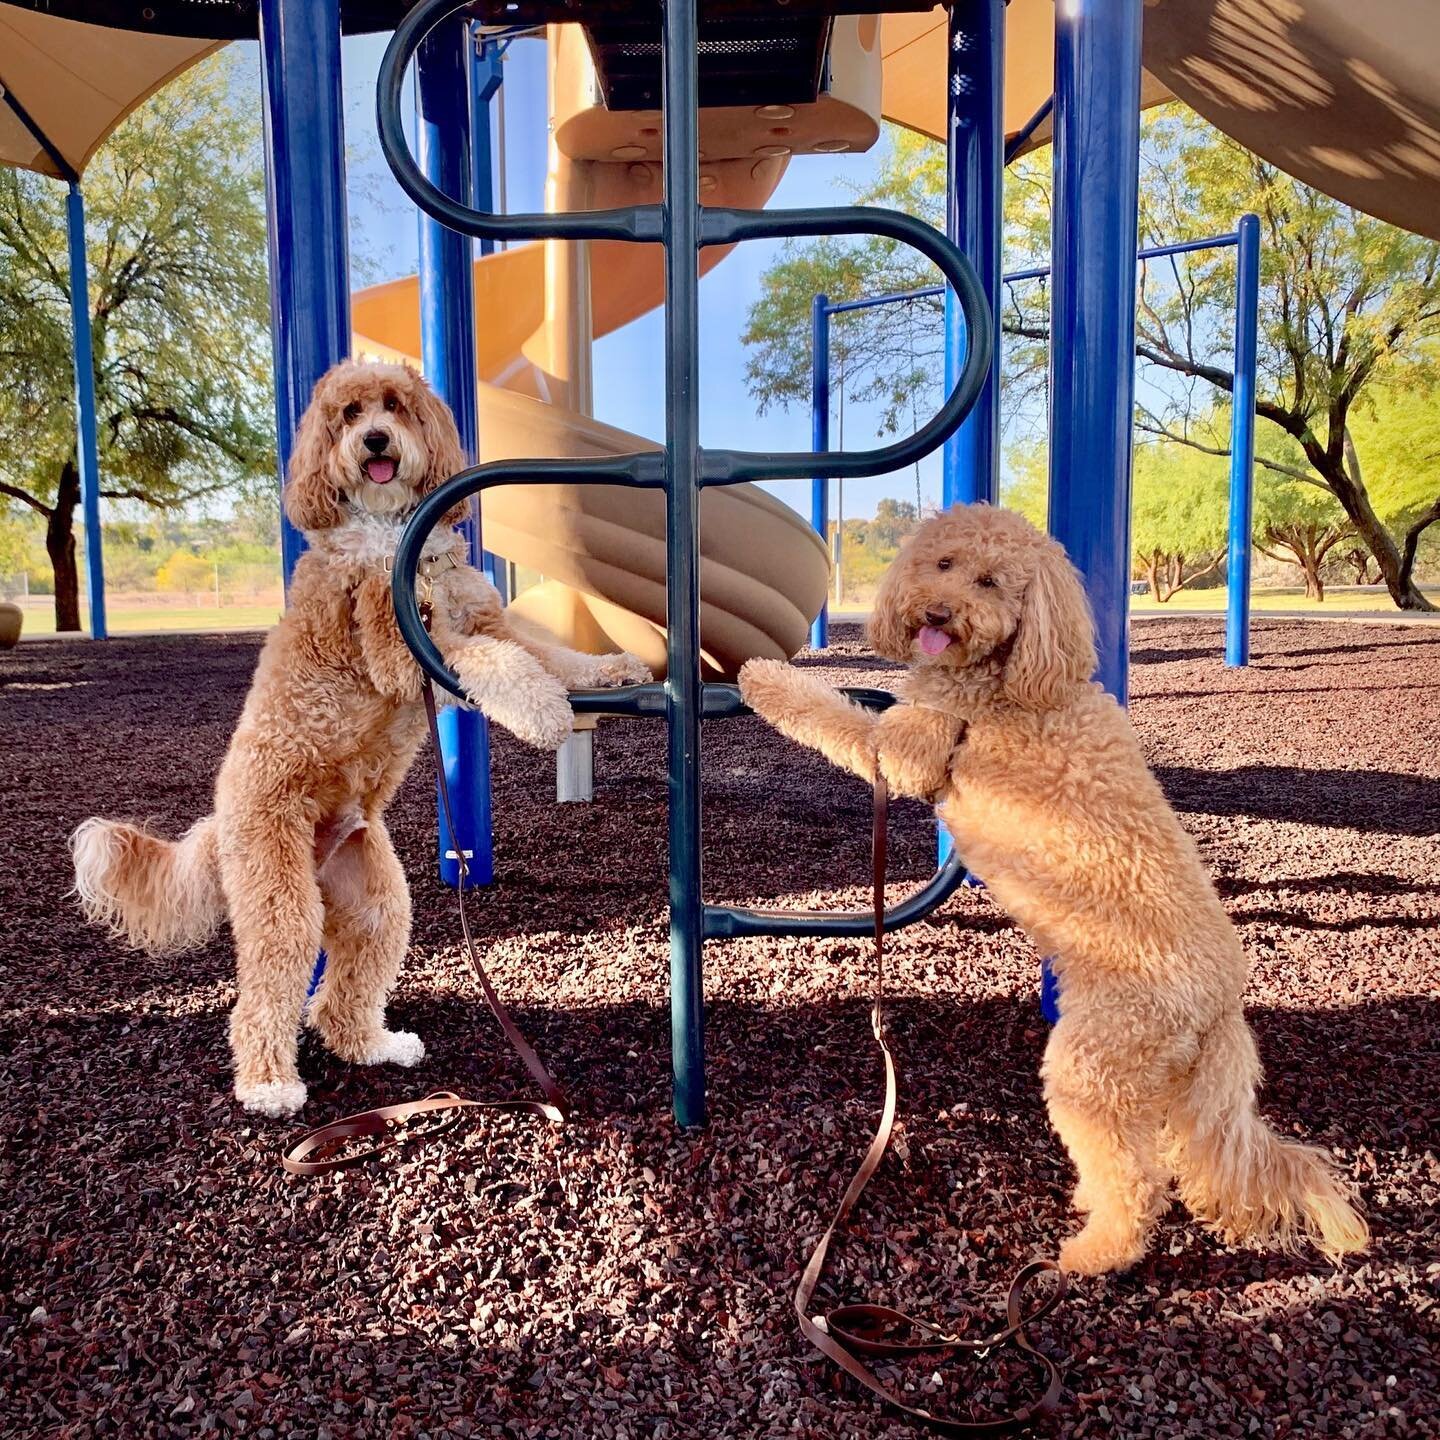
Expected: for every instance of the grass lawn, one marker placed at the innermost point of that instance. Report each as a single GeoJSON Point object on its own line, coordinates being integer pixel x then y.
{"type": "Point", "coordinates": [40, 620]}
{"type": "Point", "coordinates": [1337, 602]}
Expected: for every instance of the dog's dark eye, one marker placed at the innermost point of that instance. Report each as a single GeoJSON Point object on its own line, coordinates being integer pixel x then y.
{"type": "Point", "coordinates": [352, 412]}
{"type": "Point", "coordinates": [944, 563]}
{"type": "Point", "coordinates": [987, 582]}
{"type": "Point", "coordinates": [391, 403]}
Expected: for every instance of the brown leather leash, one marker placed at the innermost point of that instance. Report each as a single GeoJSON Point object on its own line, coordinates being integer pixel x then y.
{"type": "Point", "coordinates": [850, 1331]}
{"type": "Point", "coordinates": [316, 1153]}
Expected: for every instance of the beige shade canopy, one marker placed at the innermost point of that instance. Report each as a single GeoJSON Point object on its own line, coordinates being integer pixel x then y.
{"type": "Point", "coordinates": [1344, 96]}
{"type": "Point", "coordinates": [77, 82]}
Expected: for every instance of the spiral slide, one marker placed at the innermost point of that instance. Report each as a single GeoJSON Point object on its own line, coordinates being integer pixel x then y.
{"type": "Point", "coordinates": [601, 549]}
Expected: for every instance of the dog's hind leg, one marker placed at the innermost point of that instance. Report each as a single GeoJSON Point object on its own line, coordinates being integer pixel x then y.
{"type": "Point", "coordinates": [367, 929]}
{"type": "Point", "coordinates": [1112, 1129]}
{"type": "Point", "coordinates": [267, 870]}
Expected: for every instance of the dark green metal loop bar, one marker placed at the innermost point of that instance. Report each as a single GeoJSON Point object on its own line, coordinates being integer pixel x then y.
{"type": "Point", "coordinates": [727, 227]}
{"type": "Point", "coordinates": [644, 470]}
{"type": "Point", "coordinates": [638, 222]}
{"type": "Point", "coordinates": [683, 228]}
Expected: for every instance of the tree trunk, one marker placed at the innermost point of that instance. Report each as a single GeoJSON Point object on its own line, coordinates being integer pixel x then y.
{"type": "Point", "coordinates": [1355, 502]}
{"type": "Point", "coordinates": [60, 546]}
{"type": "Point", "coordinates": [1314, 584]}
{"type": "Point", "coordinates": [1412, 542]}
{"type": "Point", "coordinates": [1152, 575]}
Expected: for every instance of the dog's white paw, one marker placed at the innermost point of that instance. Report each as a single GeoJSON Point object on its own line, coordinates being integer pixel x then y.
{"type": "Point", "coordinates": [278, 1099]}
{"type": "Point", "coordinates": [396, 1047]}
{"type": "Point", "coordinates": [622, 669]}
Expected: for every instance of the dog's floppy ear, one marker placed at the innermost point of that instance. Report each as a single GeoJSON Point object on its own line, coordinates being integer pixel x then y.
{"type": "Point", "coordinates": [1054, 648]}
{"type": "Point", "coordinates": [442, 441]}
{"type": "Point", "coordinates": [312, 500]}
{"type": "Point", "coordinates": [889, 635]}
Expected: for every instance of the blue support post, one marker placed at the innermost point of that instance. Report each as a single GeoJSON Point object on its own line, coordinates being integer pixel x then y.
{"type": "Point", "coordinates": [87, 451]}
{"type": "Point", "coordinates": [1092, 307]}
{"type": "Point", "coordinates": [973, 211]}
{"type": "Point", "coordinates": [486, 77]}
{"type": "Point", "coordinates": [447, 344]}
{"type": "Point", "coordinates": [975, 174]}
{"type": "Point", "coordinates": [1242, 442]}
{"type": "Point", "coordinates": [305, 181]}
{"type": "Point", "coordinates": [1092, 347]}
{"type": "Point", "coordinates": [820, 441]}
{"type": "Point", "coordinates": [683, 701]}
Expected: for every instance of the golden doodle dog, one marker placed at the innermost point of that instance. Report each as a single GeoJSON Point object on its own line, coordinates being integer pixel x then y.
{"type": "Point", "coordinates": [296, 852]}
{"type": "Point", "coordinates": [1151, 1072]}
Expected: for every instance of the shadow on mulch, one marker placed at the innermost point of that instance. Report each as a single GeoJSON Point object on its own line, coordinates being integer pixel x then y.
{"type": "Point", "coordinates": [159, 1275]}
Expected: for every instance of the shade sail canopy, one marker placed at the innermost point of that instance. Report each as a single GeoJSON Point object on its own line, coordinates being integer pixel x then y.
{"type": "Point", "coordinates": [1343, 96]}
{"type": "Point", "coordinates": [77, 82]}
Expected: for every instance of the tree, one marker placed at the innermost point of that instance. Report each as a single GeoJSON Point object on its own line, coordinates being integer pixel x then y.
{"type": "Point", "coordinates": [179, 318]}
{"type": "Point", "coordinates": [1350, 307]}
{"type": "Point", "coordinates": [1178, 517]}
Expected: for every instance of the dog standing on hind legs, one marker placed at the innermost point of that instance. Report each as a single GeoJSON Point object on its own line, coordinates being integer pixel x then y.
{"type": "Point", "coordinates": [296, 852]}
{"type": "Point", "coordinates": [1151, 1072]}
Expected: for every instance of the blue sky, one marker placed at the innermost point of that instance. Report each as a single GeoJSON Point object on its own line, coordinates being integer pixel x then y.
{"type": "Point", "coordinates": [383, 240]}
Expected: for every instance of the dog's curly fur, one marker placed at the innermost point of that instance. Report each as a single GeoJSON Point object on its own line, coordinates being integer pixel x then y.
{"type": "Point", "coordinates": [296, 851]}
{"type": "Point", "coordinates": [1152, 1071]}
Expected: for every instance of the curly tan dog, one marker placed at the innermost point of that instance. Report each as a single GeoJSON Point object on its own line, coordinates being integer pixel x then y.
{"type": "Point", "coordinates": [1151, 1071]}
{"type": "Point", "coordinates": [297, 852]}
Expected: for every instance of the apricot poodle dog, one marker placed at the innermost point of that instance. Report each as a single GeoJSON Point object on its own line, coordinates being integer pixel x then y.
{"type": "Point", "coordinates": [296, 852]}
{"type": "Point", "coordinates": [1152, 1071]}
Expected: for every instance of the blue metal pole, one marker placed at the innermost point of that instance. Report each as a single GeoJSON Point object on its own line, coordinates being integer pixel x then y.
{"type": "Point", "coordinates": [1092, 307]}
{"type": "Point", "coordinates": [1242, 443]}
{"type": "Point", "coordinates": [820, 441]}
{"type": "Point", "coordinates": [486, 77]}
{"type": "Point", "coordinates": [975, 171]}
{"type": "Point", "coordinates": [683, 701]}
{"type": "Point", "coordinates": [1092, 348]}
{"type": "Point", "coordinates": [87, 451]}
{"type": "Point", "coordinates": [447, 348]}
{"type": "Point", "coordinates": [305, 180]}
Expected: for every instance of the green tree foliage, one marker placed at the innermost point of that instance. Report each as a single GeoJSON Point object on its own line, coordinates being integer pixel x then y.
{"type": "Point", "coordinates": [1178, 517]}
{"type": "Point", "coordinates": [179, 318]}
{"type": "Point", "coordinates": [1350, 311]}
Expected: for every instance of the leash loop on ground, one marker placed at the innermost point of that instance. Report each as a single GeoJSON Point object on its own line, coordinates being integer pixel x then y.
{"type": "Point", "coordinates": [850, 1331]}
{"type": "Point", "coordinates": [331, 1147]}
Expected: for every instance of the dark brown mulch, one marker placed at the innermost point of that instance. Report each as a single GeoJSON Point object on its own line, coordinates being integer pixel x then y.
{"type": "Point", "coordinates": [160, 1276]}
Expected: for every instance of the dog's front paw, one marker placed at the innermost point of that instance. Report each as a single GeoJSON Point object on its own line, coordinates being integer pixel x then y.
{"type": "Point", "coordinates": [277, 1099]}
{"type": "Point", "coordinates": [546, 723]}
{"type": "Point", "coordinates": [764, 685]}
{"type": "Point", "coordinates": [395, 1047]}
{"type": "Point", "coordinates": [622, 669]}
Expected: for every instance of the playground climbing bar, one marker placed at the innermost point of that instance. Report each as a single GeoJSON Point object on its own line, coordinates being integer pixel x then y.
{"type": "Point", "coordinates": [447, 338]}
{"type": "Point", "coordinates": [975, 172]}
{"type": "Point", "coordinates": [820, 313]}
{"type": "Point", "coordinates": [1092, 307]}
{"type": "Point", "coordinates": [305, 180]}
{"type": "Point", "coordinates": [1242, 443]}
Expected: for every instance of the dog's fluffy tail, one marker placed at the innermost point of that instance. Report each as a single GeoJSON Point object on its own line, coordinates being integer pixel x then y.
{"type": "Point", "coordinates": [157, 895]}
{"type": "Point", "coordinates": [1238, 1174]}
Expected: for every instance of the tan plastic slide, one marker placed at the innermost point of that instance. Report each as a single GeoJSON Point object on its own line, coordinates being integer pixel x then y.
{"type": "Point", "coordinates": [601, 549]}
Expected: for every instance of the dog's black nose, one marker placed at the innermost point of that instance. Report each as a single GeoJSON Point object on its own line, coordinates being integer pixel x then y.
{"type": "Point", "coordinates": [377, 442]}
{"type": "Point", "coordinates": [938, 614]}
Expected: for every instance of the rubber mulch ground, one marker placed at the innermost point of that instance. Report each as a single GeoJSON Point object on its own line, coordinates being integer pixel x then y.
{"type": "Point", "coordinates": [159, 1275]}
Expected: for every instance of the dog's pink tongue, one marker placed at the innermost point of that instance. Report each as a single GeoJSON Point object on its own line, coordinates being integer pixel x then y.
{"type": "Point", "coordinates": [932, 641]}
{"type": "Point", "coordinates": [381, 470]}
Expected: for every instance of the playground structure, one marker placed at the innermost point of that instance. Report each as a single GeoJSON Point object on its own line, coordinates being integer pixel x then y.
{"type": "Point", "coordinates": [1284, 85]}
{"type": "Point", "coordinates": [1246, 241]}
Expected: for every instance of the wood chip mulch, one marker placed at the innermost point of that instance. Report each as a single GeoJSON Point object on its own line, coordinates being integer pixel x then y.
{"type": "Point", "coordinates": [618, 1279]}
